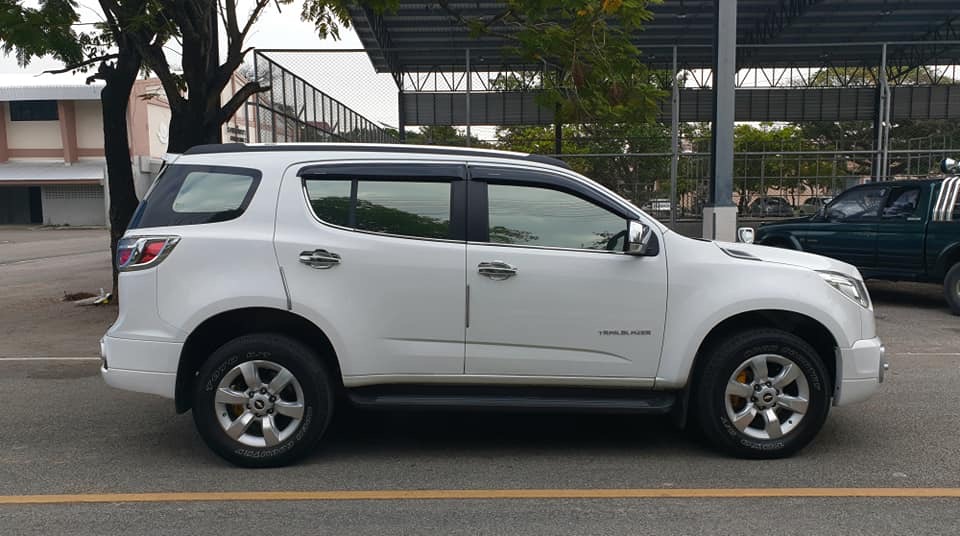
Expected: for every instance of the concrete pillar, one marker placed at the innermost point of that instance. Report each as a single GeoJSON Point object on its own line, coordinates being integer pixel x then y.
{"type": "Point", "coordinates": [4, 153]}
{"type": "Point", "coordinates": [68, 130]}
{"type": "Point", "coordinates": [720, 214]}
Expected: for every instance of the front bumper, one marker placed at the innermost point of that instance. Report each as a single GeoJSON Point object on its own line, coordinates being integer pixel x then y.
{"type": "Point", "coordinates": [141, 366]}
{"type": "Point", "coordinates": [860, 370]}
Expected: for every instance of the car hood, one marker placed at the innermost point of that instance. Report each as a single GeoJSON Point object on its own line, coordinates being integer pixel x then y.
{"type": "Point", "coordinates": [787, 221]}
{"type": "Point", "coordinates": [789, 257]}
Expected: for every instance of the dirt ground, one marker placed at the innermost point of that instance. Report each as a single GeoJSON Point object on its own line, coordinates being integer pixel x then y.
{"type": "Point", "coordinates": [39, 265]}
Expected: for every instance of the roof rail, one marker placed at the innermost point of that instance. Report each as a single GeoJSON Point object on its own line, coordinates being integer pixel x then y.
{"type": "Point", "coordinates": [370, 147]}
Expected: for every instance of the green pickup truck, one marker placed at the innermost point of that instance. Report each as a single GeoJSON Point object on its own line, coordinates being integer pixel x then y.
{"type": "Point", "coordinates": [905, 230]}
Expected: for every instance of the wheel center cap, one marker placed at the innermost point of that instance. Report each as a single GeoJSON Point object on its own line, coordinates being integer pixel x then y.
{"type": "Point", "coordinates": [260, 405]}
{"type": "Point", "coordinates": [767, 397]}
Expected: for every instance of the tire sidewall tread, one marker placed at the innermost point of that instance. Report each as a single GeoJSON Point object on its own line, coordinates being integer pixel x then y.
{"type": "Point", "coordinates": [300, 360]}
{"type": "Point", "coordinates": [710, 388]}
{"type": "Point", "coordinates": [950, 286]}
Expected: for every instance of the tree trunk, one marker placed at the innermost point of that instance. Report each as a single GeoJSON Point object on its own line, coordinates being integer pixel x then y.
{"type": "Point", "coordinates": [186, 129]}
{"type": "Point", "coordinates": [114, 99]}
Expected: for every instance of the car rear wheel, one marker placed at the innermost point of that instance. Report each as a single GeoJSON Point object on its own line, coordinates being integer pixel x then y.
{"type": "Point", "coordinates": [764, 393]}
{"type": "Point", "coordinates": [262, 400]}
{"type": "Point", "coordinates": [951, 288]}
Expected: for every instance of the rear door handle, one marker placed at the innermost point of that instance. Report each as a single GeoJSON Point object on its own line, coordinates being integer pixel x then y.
{"type": "Point", "coordinates": [320, 259]}
{"type": "Point", "coordinates": [496, 270]}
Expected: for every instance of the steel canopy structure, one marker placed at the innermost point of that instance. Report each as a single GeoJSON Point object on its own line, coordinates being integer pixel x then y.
{"type": "Point", "coordinates": [424, 44]}
{"type": "Point", "coordinates": [420, 36]}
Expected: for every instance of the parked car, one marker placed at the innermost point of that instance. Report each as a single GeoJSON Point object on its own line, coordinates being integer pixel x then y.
{"type": "Point", "coordinates": [263, 286]}
{"type": "Point", "coordinates": [898, 231]}
{"type": "Point", "coordinates": [768, 206]}
{"type": "Point", "coordinates": [813, 205]}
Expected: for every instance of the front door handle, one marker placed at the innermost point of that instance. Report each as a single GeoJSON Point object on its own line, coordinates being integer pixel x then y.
{"type": "Point", "coordinates": [320, 259]}
{"type": "Point", "coordinates": [497, 270]}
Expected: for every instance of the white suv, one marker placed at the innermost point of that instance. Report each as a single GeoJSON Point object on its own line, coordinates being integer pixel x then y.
{"type": "Point", "coordinates": [263, 285]}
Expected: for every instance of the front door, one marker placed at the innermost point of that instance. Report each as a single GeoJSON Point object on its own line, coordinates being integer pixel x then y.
{"type": "Point", "coordinates": [900, 233]}
{"type": "Point", "coordinates": [847, 230]}
{"type": "Point", "coordinates": [374, 253]}
{"type": "Point", "coordinates": [551, 293]}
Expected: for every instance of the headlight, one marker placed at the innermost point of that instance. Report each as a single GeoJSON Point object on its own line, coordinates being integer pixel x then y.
{"type": "Point", "coordinates": [848, 286]}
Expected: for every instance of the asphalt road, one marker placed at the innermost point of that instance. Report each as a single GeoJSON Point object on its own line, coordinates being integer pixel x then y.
{"type": "Point", "coordinates": [63, 431]}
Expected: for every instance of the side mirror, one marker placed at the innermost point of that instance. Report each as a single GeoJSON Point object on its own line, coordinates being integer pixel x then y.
{"type": "Point", "coordinates": [949, 165]}
{"type": "Point", "coordinates": [745, 235]}
{"type": "Point", "coordinates": [641, 240]}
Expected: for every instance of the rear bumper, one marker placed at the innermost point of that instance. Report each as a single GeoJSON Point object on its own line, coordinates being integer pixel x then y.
{"type": "Point", "coordinates": [860, 370]}
{"type": "Point", "coordinates": [141, 366]}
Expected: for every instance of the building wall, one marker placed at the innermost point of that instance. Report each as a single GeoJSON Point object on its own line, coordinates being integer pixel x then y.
{"type": "Point", "coordinates": [158, 128]}
{"type": "Point", "coordinates": [89, 124]}
{"type": "Point", "coordinates": [73, 205]}
{"type": "Point", "coordinates": [32, 134]}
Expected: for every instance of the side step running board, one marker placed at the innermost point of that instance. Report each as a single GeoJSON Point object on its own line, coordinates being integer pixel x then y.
{"type": "Point", "coordinates": [517, 399]}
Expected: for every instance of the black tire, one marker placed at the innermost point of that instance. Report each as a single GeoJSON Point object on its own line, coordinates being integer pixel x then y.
{"type": "Point", "coordinates": [951, 288]}
{"type": "Point", "coordinates": [710, 394]}
{"type": "Point", "coordinates": [267, 349]}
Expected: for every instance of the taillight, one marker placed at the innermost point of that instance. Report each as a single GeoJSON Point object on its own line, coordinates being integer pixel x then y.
{"type": "Point", "coordinates": [140, 252]}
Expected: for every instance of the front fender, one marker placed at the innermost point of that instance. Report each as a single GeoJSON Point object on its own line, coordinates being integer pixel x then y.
{"type": "Point", "coordinates": [707, 287]}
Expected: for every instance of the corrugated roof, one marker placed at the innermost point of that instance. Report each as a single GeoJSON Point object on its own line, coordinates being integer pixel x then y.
{"type": "Point", "coordinates": [37, 86]}
{"type": "Point", "coordinates": [44, 172]}
{"type": "Point", "coordinates": [419, 36]}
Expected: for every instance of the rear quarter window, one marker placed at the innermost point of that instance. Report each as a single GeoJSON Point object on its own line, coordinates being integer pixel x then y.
{"type": "Point", "coordinates": [194, 195]}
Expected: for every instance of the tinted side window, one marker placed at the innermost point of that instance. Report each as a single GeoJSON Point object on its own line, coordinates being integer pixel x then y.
{"type": "Point", "coordinates": [419, 209]}
{"type": "Point", "coordinates": [192, 195]}
{"type": "Point", "coordinates": [857, 204]}
{"type": "Point", "coordinates": [902, 203]}
{"type": "Point", "coordinates": [330, 200]}
{"type": "Point", "coordinates": [525, 215]}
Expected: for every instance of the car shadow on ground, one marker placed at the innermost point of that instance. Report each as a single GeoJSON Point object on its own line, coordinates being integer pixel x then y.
{"type": "Point", "coordinates": [356, 431]}
{"type": "Point", "coordinates": [925, 296]}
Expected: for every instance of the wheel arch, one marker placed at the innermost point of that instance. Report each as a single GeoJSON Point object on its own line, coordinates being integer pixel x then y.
{"type": "Point", "coordinates": [227, 325]}
{"type": "Point", "coordinates": [806, 327]}
{"type": "Point", "coordinates": [949, 256]}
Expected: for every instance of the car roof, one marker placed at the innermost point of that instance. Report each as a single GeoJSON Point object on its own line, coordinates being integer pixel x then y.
{"type": "Point", "coordinates": [217, 148]}
{"type": "Point", "coordinates": [899, 182]}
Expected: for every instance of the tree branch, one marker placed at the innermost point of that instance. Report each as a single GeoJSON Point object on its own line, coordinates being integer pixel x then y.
{"type": "Point", "coordinates": [158, 62]}
{"type": "Point", "coordinates": [236, 101]}
{"type": "Point", "coordinates": [84, 63]}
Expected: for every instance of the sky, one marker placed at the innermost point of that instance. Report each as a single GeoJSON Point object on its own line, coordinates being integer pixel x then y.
{"type": "Point", "coordinates": [347, 77]}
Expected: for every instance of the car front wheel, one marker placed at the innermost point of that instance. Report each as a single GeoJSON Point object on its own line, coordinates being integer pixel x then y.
{"type": "Point", "coordinates": [951, 288]}
{"type": "Point", "coordinates": [764, 393]}
{"type": "Point", "coordinates": [262, 400]}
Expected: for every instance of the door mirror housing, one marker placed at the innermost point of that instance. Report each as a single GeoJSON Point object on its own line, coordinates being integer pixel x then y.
{"type": "Point", "coordinates": [745, 235]}
{"type": "Point", "coordinates": [640, 240]}
{"type": "Point", "coordinates": [949, 165]}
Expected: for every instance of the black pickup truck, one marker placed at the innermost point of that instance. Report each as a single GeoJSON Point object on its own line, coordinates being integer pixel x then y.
{"type": "Point", "coordinates": [905, 230]}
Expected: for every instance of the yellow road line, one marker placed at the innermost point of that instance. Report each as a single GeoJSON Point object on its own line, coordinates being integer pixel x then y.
{"type": "Point", "coordinates": [473, 494]}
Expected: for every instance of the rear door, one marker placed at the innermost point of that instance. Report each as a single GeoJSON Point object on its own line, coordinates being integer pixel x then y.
{"type": "Point", "coordinates": [900, 232]}
{"type": "Point", "coordinates": [847, 231]}
{"type": "Point", "coordinates": [373, 253]}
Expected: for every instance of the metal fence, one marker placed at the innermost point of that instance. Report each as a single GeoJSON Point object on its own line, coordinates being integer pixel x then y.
{"type": "Point", "coordinates": [888, 113]}
{"type": "Point", "coordinates": [295, 110]}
